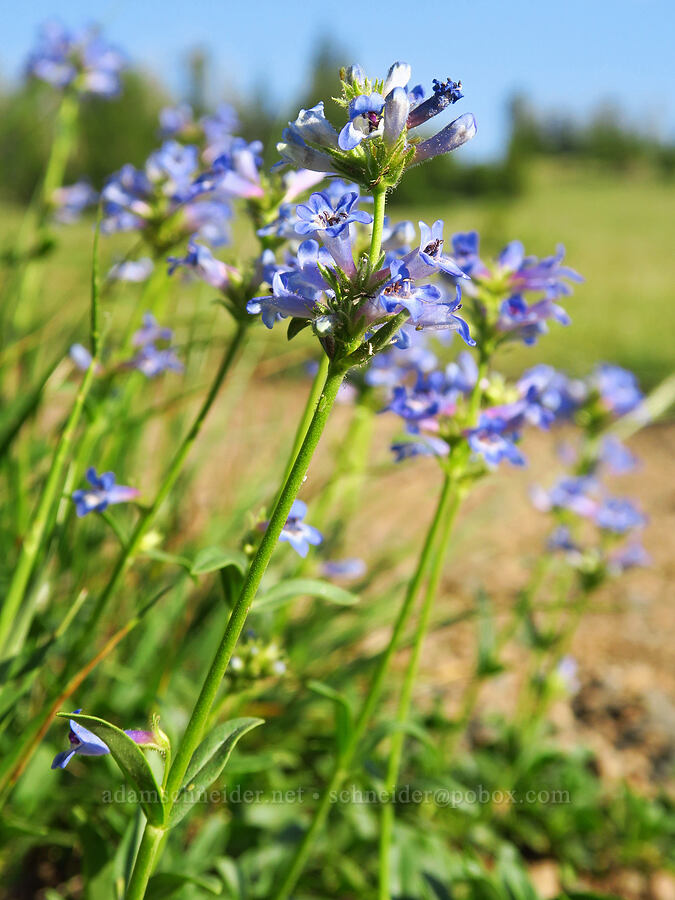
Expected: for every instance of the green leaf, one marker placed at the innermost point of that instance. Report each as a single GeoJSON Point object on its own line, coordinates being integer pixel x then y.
{"type": "Point", "coordinates": [131, 760]}
{"type": "Point", "coordinates": [344, 718]}
{"type": "Point", "coordinates": [295, 326]}
{"type": "Point", "coordinates": [310, 587]}
{"type": "Point", "coordinates": [384, 729]}
{"type": "Point", "coordinates": [207, 763]}
{"type": "Point", "coordinates": [165, 884]}
{"type": "Point", "coordinates": [162, 556]}
{"type": "Point", "coordinates": [211, 559]}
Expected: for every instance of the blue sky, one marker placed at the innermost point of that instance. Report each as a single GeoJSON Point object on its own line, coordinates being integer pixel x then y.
{"type": "Point", "coordinates": [568, 55]}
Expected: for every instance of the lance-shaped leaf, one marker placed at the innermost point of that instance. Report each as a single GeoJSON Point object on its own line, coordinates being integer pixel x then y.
{"type": "Point", "coordinates": [166, 884]}
{"type": "Point", "coordinates": [207, 763]}
{"type": "Point", "coordinates": [309, 587]}
{"type": "Point", "coordinates": [131, 760]}
{"type": "Point", "coordinates": [344, 717]}
{"type": "Point", "coordinates": [211, 559]}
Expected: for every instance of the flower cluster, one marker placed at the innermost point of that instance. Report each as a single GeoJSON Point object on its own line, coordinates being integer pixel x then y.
{"type": "Point", "coordinates": [80, 61]}
{"type": "Point", "coordinates": [377, 142]}
{"type": "Point", "coordinates": [501, 290]}
{"type": "Point", "coordinates": [150, 359]}
{"type": "Point", "coordinates": [163, 201]}
{"type": "Point", "coordinates": [325, 285]}
{"type": "Point", "coordinates": [255, 660]}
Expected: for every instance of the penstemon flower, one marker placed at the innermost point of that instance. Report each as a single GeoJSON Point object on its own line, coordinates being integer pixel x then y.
{"type": "Point", "coordinates": [297, 532]}
{"type": "Point", "coordinates": [163, 202]}
{"type": "Point", "coordinates": [80, 61]}
{"type": "Point", "coordinates": [324, 287]}
{"type": "Point", "coordinates": [376, 144]}
{"type": "Point", "coordinates": [102, 493]}
{"type": "Point", "coordinates": [500, 290]}
{"type": "Point", "coordinates": [84, 743]}
{"type": "Point", "coordinates": [69, 202]}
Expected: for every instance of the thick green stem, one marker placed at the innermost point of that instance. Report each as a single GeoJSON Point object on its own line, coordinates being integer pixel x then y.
{"type": "Point", "coordinates": [371, 700]}
{"type": "Point", "coordinates": [403, 710]}
{"type": "Point", "coordinates": [144, 863]}
{"type": "Point", "coordinates": [379, 201]}
{"type": "Point", "coordinates": [310, 406]}
{"type": "Point", "coordinates": [194, 731]}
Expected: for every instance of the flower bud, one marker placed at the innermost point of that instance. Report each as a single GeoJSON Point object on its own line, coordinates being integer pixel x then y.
{"type": "Point", "coordinates": [397, 76]}
{"type": "Point", "coordinates": [396, 108]}
{"type": "Point", "coordinates": [450, 138]}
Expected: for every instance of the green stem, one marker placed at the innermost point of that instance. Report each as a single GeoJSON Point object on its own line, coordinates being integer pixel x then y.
{"type": "Point", "coordinates": [403, 711]}
{"type": "Point", "coordinates": [63, 140]}
{"type": "Point", "coordinates": [379, 203]}
{"type": "Point", "coordinates": [310, 406]}
{"type": "Point", "coordinates": [144, 863]}
{"type": "Point", "coordinates": [193, 733]}
{"type": "Point", "coordinates": [128, 552]}
{"type": "Point", "coordinates": [32, 543]}
{"type": "Point", "coordinates": [370, 702]}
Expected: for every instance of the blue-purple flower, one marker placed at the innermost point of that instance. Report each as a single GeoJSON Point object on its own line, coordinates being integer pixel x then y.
{"type": "Point", "coordinates": [80, 356]}
{"type": "Point", "coordinates": [204, 264]}
{"type": "Point", "coordinates": [386, 114]}
{"type": "Point", "coordinates": [71, 200]}
{"type": "Point", "coordinates": [150, 332]}
{"type": "Point", "coordinates": [518, 320]}
{"type": "Point", "coordinates": [494, 440]}
{"type": "Point", "coordinates": [429, 308]}
{"type": "Point", "coordinates": [331, 223]}
{"type": "Point", "coordinates": [365, 120]}
{"type": "Point", "coordinates": [152, 361]}
{"type": "Point", "coordinates": [298, 533]}
{"type": "Point", "coordinates": [618, 388]}
{"type": "Point", "coordinates": [424, 445]}
{"type": "Point", "coordinates": [445, 93]}
{"type": "Point", "coordinates": [80, 60]}
{"type": "Point", "coordinates": [429, 258]}
{"type": "Point", "coordinates": [102, 493]}
{"type": "Point", "coordinates": [578, 494]}
{"type": "Point", "coordinates": [85, 743]}
{"type": "Point", "coordinates": [344, 568]}
{"type": "Point", "coordinates": [235, 172]}
{"type": "Point", "coordinates": [142, 199]}
{"type": "Point", "coordinates": [552, 390]}
{"type": "Point", "coordinates": [618, 515]}
{"type": "Point", "coordinates": [297, 291]}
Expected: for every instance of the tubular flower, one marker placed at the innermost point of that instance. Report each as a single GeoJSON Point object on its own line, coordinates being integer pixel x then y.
{"type": "Point", "coordinates": [380, 114]}
{"type": "Point", "coordinates": [102, 493]}
{"type": "Point", "coordinates": [331, 223]}
{"type": "Point", "coordinates": [85, 743]}
{"type": "Point", "coordinates": [298, 533]}
{"type": "Point", "coordinates": [204, 264]}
